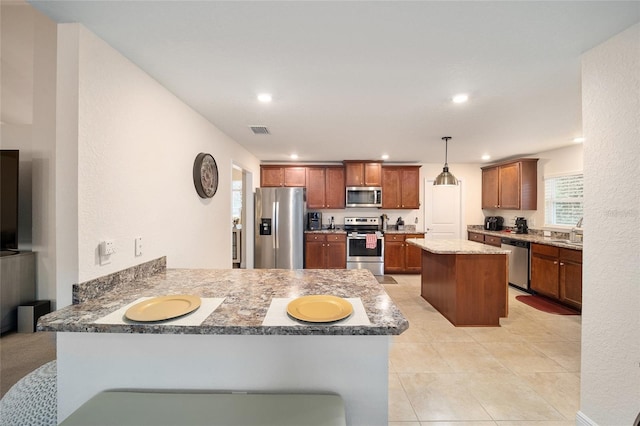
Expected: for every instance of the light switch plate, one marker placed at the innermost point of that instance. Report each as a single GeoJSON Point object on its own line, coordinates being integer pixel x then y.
{"type": "Point", "coordinates": [138, 246]}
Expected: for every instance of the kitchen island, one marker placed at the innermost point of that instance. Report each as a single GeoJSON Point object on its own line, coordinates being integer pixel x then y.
{"type": "Point", "coordinates": [465, 281]}
{"type": "Point", "coordinates": [246, 344]}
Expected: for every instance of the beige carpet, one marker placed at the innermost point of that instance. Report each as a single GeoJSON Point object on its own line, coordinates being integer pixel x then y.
{"type": "Point", "coordinates": [21, 353]}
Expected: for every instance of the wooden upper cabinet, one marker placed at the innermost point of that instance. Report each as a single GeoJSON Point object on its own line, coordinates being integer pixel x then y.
{"type": "Point", "coordinates": [363, 173]}
{"type": "Point", "coordinates": [271, 176]}
{"type": "Point", "coordinates": [293, 176]}
{"type": "Point", "coordinates": [490, 198]}
{"type": "Point", "coordinates": [334, 188]}
{"type": "Point", "coordinates": [316, 187]}
{"type": "Point", "coordinates": [410, 187]}
{"type": "Point", "coordinates": [401, 187]}
{"type": "Point", "coordinates": [512, 185]}
{"type": "Point", "coordinates": [325, 188]}
{"type": "Point", "coordinates": [391, 197]}
{"type": "Point", "coordinates": [509, 189]}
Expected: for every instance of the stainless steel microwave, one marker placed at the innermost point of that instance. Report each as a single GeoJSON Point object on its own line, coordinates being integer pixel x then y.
{"type": "Point", "coordinates": [364, 196]}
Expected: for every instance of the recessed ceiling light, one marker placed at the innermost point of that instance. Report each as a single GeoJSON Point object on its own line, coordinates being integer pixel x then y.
{"type": "Point", "coordinates": [486, 157]}
{"type": "Point", "coordinates": [578, 139]}
{"type": "Point", "coordinates": [460, 98]}
{"type": "Point", "coordinates": [264, 97]}
{"type": "Point", "coordinates": [385, 157]}
{"type": "Point", "coordinates": [294, 156]}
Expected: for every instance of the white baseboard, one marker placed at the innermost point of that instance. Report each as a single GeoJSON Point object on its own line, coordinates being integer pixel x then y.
{"type": "Point", "coordinates": [583, 420]}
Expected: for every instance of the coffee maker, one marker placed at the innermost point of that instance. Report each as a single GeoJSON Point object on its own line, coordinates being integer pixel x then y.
{"type": "Point", "coordinates": [521, 226]}
{"type": "Point", "coordinates": [314, 221]}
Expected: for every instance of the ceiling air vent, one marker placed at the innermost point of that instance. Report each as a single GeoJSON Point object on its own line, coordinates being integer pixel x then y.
{"type": "Point", "coordinates": [259, 130]}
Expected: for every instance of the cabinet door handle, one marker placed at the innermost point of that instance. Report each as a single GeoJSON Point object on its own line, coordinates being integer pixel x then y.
{"type": "Point", "coordinates": [555, 262]}
{"type": "Point", "coordinates": [561, 264]}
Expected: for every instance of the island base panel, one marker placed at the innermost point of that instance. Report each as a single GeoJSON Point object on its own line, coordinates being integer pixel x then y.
{"type": "Point", "coordinates": [354, 367]}
{"type": "Point", "coordinates": [467, 289]}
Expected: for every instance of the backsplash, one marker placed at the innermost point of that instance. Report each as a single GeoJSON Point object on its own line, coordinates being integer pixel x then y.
{"type": "Point", "coordinates": [97, 287]}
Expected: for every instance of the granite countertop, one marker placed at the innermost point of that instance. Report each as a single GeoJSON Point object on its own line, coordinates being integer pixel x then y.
{"type": "Point", "coordinates": [247, 296]}
{"type": "Point", "coordinates": [533, 237]}
{"type": "Point", "coordinates": [403, 231]}
{"type": "Point", "coordinates": [342, 231]}
{"type": "Point", "coordinates": [326, 231]}
{"type": "Point", "coordinates": [455, 247]}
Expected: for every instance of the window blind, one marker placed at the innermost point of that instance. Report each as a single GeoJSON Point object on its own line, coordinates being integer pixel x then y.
{"type": "Point", "coordinates": [563, 196]}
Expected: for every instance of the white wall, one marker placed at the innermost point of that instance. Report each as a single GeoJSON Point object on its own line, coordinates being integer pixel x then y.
{"type": "Point", "coordinates": [28, 124]}
{"type": "Point", "coordinates": [136, 144]}
{"type": "Point", "coordinates": [610, 372]}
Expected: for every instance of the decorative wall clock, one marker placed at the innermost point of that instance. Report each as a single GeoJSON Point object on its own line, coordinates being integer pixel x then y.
{"type": "Point", "coordinates": [205, 175]}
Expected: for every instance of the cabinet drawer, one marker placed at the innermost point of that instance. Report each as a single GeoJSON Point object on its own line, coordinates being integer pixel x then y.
{"type": "Point", "coordinates": [314, 237]}
{"type": "Point", "coordinates": [571, 255]}
{"type": "Point", "coordinates": [491, 240]}
{"type": "Point", "coordinates": [476, 237]}
{"type": "Point", "coordinates": [545, 250]}
{"type": "Point", "coordinates": [393, 237]}
{"type": "Point", "coordinates": [337, 237]}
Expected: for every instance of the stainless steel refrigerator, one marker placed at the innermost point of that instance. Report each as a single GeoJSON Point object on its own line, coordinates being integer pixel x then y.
{"type": "Point", "coordinates": [279, 221]}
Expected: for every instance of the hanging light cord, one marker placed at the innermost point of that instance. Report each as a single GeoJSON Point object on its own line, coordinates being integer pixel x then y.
{"type": "Point", "coordinates": [446, 150]}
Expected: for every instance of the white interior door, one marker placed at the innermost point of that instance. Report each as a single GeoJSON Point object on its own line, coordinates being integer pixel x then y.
{"type": "Point", "coordinates": [443, 210]}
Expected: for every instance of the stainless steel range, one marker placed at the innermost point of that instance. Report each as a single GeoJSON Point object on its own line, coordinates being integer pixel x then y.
{"type": "Point", "coordinates": [365, 244]}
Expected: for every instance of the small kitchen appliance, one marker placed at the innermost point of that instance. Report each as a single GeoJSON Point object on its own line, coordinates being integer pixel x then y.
{"type": "Point", "coordinates": [521, 226]}
{"type": "Point", "coordinates": [358, 196]}
{"type": "Point", "coordinates": [314, 221]}
{"type": "Point", "coordinates": [493, 223]}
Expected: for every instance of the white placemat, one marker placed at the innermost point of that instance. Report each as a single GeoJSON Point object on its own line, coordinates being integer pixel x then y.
{"type": "Point", "coordinates": [207, 306]}
{"type": "Point", "coordinates": [277, 314]}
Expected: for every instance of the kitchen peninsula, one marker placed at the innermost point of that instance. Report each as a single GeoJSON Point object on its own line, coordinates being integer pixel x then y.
{"type": "Point", "coordinates": [465, 281]}
{"type": "Point", "coordinates": [236, 347]}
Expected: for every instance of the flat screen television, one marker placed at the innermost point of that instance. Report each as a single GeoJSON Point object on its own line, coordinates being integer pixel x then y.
{"type": "Point", "coordinates": [9, 164]}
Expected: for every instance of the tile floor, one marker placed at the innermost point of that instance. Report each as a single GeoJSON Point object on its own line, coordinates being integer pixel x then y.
{"type": "Point", "coordinates": [526, 372]}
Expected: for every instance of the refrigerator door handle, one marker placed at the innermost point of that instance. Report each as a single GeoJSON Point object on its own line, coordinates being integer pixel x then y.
{"type": "Point", "coordinates": [276, 213]}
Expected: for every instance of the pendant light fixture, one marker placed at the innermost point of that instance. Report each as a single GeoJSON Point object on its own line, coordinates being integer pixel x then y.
{"type": "Point", "coordinates": [445, 178]}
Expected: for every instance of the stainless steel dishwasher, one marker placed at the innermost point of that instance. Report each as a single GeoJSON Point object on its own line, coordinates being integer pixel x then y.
{"type": "Point", "coordinates": [519, 263]}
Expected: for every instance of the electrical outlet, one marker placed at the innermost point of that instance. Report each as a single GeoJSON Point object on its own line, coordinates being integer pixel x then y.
{"type": "Point", "coordinates": [139, 246]}
{"type": "Point", "coordinates": [107, 248]}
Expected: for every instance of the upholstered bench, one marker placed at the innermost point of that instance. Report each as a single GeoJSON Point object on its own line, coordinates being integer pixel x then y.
{"type": "Point", "coordinates": [141, 408]}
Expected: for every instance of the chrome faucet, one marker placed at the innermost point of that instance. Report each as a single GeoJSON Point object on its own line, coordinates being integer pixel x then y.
{"type": "Point", "coordinates": [576, 232]}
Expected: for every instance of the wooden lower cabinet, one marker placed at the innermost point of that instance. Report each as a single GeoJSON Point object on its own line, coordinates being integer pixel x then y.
{"type": "Point", "coordinates": [557, 273]}
{"type": "Point", "coordinates": [400, 256]}
{"type": "Point", "coordinates": [325, 251]}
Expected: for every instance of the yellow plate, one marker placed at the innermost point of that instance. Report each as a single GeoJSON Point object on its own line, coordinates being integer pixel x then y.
{"type": "Point", "coordinates": [319, 308]}
{"type": "Point", "coordinates": [163, 308]}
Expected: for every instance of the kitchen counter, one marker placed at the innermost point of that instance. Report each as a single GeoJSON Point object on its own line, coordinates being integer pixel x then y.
{"type": "Point", "coordinates": [247, 296]}
{"type": "Point", "coordinates": [326, 231]}
{"type": "Point", "coordinates": [455, 247]}
{"type": "Point", "coordinates": [467, 282]}
{"type": "Point", "coordinates": [403, 231]}
{"type": "Point", "coordinates": [531, 237]}
{"type": "Point", "coordinates": [342, 231]}
{"type": "Point", "coordinates": [231, 350]}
